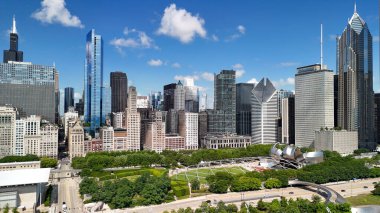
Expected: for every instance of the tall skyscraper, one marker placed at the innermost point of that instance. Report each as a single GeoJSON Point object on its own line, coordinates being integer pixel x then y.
{"type": "Point", "coordinates": [355, 69]}
{"type": "Point", "coordinates": [94, 81]}
{"type": "Point", "coordinates": [155, 133]}
{"type": "Point", "coordinates": [69, 98]}
{"type": "Point", "coordinates": [133, 121]}
{"type": "Point", "coordinates": [191, 96]}
{"type": "Point", "coordinates": [188, 128]}
{"type": "Point", "coordinates": [119, 87]}
{"type": "Point", "coordinates": [179, 97]}
{"type": "Point", "coordinates": [13, 54]}
{"type": "Point", "coordinates": [169, 96]}
{"type": "Point", "coordinates": [287, 120]}
{"type": "Point", "coordinates": [243, 108]}
{"type": "Point", "coordinates": [225, 100]}
{"type": "Point", "coordinates": [264, 113]}
{"type": "Point", "coordinates": [107, 99]}
{"type": "Point", "coordinates": [314, 102]}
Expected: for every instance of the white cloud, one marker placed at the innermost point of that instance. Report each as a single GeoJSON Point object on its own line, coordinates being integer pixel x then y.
{"type": "Point", "coordinates": [283, 82]}
{"type": "Point", "coordinates": [241, 29]}
{"type": "Point", "coordinates": [214, 37]}
{"type": "Point", "coordinates": [137, 39]}
{"type": "Point", "coordinates": [289, 64]}
{"type": "Point", "coordinates": [239, 68]}
{"type": "Point", "coordinates": [180, 24]}
{"type": "Point", "coordinates": [253, 81]}
{"type": "Point", "coordinates": [155, 62]}
{"type": "Point", "coordinates": [186, 77]}
{"type": "Point", "coordinates": [208, 76]}
{"type": "Point", "coordinates": [176, 65]}
{"type": "Point", "coordinates": [55, 11]}
{"type": "Point", "coordinates": [240, 32]}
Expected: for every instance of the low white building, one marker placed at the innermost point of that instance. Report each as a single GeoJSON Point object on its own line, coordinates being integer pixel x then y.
{"type": "Point", "coordinates": [218, 141]}
{"type": "Point", "coordinates": [25, 187]}
{"type": "Point", "coordinates": [20, 165]}
{"type": "Point", "coordinates": [344, 142]}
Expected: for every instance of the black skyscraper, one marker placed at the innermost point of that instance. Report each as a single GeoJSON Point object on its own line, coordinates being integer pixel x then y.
{"type": "Point", "coordinates": [119, 91]}
{"type": "Point", "coordinates": [169, 96]}
{"type": "Point", "coordinates": [243, 108]}
{"type": "Point", "coordinates": [69, 98]}
{"type": "Point", "coordinates": [13, 54]}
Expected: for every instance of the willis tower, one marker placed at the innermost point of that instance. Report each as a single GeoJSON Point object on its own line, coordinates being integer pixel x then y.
{"type": "Point", "coordinates": [13, 54]}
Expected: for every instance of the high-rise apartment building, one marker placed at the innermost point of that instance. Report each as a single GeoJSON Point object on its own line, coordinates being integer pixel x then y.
{"type": "Point", "coordinates": [169, 96]}
{"type": "Point", "coordinates": [188, 128]}
{"type": "Point", "coordinates": [7, 130]}
{"type": "Point", "coordinates": [287, 119]}
{"type": "Point", "coordinates": [69, 98]}
{"type": "Point", "coordinates": [49, 140]}
{"type": "Point", "coordinates": [355, 69]}
{"type": "Point", "coordinates": [155, 133]}
{"type": "Point", "coordinates": [264, 113]}
{"type": "Point", "coordinates": [119, 87]}
{"type": "Point", "coordinates": [314, 102]}
{"type": "Point", "coordinates": [133, 120]}
{"type": "Point", "coordinates": [243, 108]}
{"type": "Point", "coordinates": [13, 54]}
{"type": "Point", "coordinates": [94, 81]}
{"type": "Point", "coordinates": [107, 136]}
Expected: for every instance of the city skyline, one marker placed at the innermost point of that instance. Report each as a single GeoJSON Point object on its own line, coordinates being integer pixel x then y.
{"type": "Point", "coordinates": [168, 53]}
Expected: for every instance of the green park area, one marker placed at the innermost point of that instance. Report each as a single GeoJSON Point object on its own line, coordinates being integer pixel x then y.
{"type": "Point", "coordinates": [365, 199]}
{"type": "Point", "coordinates": [202, 173]}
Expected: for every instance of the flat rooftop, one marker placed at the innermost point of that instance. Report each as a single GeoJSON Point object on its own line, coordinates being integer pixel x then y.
{"type": "Point", "coordinates": [24, 177]}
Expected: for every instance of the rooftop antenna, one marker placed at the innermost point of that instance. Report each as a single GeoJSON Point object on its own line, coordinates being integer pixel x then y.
{"type": "Point", "coordinates": [14, 30]}
{"type": "Point", "coordinates": [355, 7]}
{"type": "Point", "coordinates": [321, 46]}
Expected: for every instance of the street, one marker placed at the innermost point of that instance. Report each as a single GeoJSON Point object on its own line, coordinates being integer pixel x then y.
{"type": "Point", "coordinates": [68, 191]}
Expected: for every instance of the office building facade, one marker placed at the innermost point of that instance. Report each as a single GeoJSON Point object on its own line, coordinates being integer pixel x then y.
{"type": "Point", "coordinates": [243, 108]}
{"type": "Point", "coordinates": [69, 98]}
{"type": "Point", "coordinates": [355, 70]}
{"type": "Point", "coordinates": [133, 121]}
{"type": "Point", "coordinates": [188, 128]}
{"type": "Point", "coordinates": [7, 130]}
{"type": "Point", "coordinates": [94, 81]}
{"type": "Point", "coordinates": [13, 54]}
{"type": "Point", "coordinates": [314, 102]}
{"type": "Point", "coordinates": [287, 119]}
{"type": "Point", "coordinates": [119, 91]}
{"type": "Point", "coordinates": [264, 113]}
{"type": "Point", "coordinates": [169, 96]}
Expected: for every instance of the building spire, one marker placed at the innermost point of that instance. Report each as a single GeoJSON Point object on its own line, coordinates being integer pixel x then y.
{"type": "Point", "coordinates": [355, 7]}
{"type": "Point", "coordinates": [14, 30]}
{"type": "Point", "coordinates": [321, 46]}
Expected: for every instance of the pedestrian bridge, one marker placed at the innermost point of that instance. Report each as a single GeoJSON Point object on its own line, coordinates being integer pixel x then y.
{"type": "Point", "coordinates": [331, 194]}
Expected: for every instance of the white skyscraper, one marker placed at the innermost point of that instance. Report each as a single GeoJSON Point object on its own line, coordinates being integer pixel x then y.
{"type": "Point", "coordinates": [32, 138]}
{"type": "Point", "coordinates": [18, 147]}
{"type": "Point", "coordinates": [188, 128]}
{"type": "Point", "coordinates": [264, 113]}
{"type": "Point", "coordinates": [49, 141]}
{"type": "Point", "coordinates": [314, 102]}
{"type": "Point", "coordinates": [133, 121]}
{"type": "Point", "coordinates": [69, 117]}
{"type": "Point", "coordinates": [155, 133]}
{"type": "Point", "coordinates": [179, 97]}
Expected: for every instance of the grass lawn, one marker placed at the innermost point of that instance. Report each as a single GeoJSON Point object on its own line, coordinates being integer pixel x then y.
{"type": "Point", "coordinates": [365, 199]}
{"type": "Point", "coordinates": [202, 173]}
{"type": "Point", "coordinates": [131, 174]}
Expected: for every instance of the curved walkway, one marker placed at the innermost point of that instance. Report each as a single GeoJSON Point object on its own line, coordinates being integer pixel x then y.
{"type": "Point", "coordinates": [332, 195]}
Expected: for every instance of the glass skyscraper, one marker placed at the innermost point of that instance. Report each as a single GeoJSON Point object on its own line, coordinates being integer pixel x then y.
{"type": "Point", "coordinates": [69, 98]}
{"type": "Point", "coordinates": [94, 81]}
{"type": "Point", "coordinates": [243, 108]}
{"type": "Point", "coordinates": [355, 79]}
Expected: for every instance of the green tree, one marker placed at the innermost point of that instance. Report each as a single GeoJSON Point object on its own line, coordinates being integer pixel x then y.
{"type": "Point", "coordinates": [244, 183]}
{"type": "Point", "coordinates": [272, 183]}
{"type": "Point", "coordinates": [88, 186]}
{"type": "Point", "coordinates": [195, 184]}
{"type": "Point", "coordinates": [261, 205]}
{"type": "Point", "coordinates": [48, 162]}
{"type": "Point", "coordinates": [376, 191]}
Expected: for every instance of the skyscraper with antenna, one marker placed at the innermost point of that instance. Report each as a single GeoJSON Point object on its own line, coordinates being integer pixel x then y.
{"type": "Point", "coordinates": [13, 54]}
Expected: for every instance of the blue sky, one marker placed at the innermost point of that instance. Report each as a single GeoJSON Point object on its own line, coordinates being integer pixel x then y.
{"type": "Point", "coordinates": [159, 42]}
